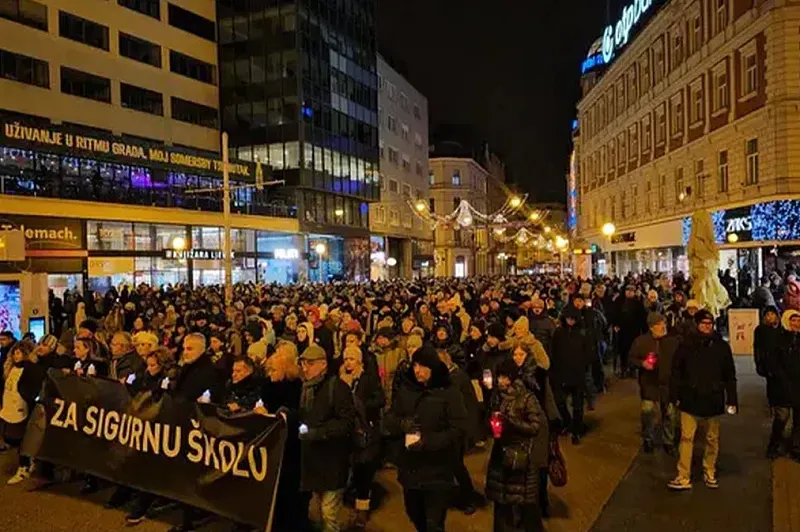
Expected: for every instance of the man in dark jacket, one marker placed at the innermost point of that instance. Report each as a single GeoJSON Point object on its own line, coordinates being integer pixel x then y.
{"type": "Point", "coordinates": [767, 340]}
{"type": "Point", "coordinates": [490, 357]}
{"type": "Point", "coordinates": [653, 353]}
{"type": "Point", "coordinates": [124, 359]}
{"type": "Point", "coordinates": [630, 320]}
{"type": "Point", "coordinates": [243, 390]}
{"type": "Point", "coordinates": [542, 326]}
{"type": "Point", "coordinates": [596, 328]}
{"type": "Point", "coordinates": [702, 384]}
{"type": "Point", "coordinates": [784, 370]}
{"type": "Point", "coordinates": [327, 426]}
{"type": "Point", "coordinates": [569, 361]}
{"type": "Point", "coordinates": [429, 415]}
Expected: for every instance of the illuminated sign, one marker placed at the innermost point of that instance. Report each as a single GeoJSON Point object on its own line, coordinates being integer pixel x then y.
{"type": "Point", "coordinates": [287, 254]}
{"type": "Point", "coordinates": [616, 36]}
{"type": "Point", "coordinates": [195, 254]}
{"type": "Point", "coordinates": [592, 62]}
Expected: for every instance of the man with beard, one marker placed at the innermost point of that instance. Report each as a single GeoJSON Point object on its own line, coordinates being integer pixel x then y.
{"type": "Point", "coordinates": [542, 326]}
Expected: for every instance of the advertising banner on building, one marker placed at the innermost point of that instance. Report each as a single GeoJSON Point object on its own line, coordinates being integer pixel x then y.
{"type": "Point", "coordinates": [45, 233]}
{"type": "Point", "coordinates": [189, 452]}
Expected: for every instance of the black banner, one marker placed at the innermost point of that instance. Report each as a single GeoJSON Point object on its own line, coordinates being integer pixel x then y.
{"type": "Point", "coordinates": [189, 452]}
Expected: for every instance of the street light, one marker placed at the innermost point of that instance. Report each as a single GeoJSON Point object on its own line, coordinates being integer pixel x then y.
{"type": "Point", "coordinates": [420, 206]}
{"type": "Point", "coordinates": [320, 248]}
{"type": "Point", "coordinates": [391, 261]}
{"type": "Point", "coordinates": [561, 244]}
{"type": "Point", "coordinates": [178, 243]}
{"type": "Point", "coordinates": [733, 238]}
{"type": "Point", "coordinates": [515, 201]}
{"type": "Point", "coordinates": [608, 230]}
{"type": "Point", "coordinates": [339, 212]}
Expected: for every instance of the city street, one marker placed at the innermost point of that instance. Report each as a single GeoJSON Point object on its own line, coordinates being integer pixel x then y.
{"type": "Point", "coordinates": [611, 485]}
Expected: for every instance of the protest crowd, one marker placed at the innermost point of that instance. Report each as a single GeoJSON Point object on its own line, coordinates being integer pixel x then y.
{"type": "Point", "coordinates": [413, 375]}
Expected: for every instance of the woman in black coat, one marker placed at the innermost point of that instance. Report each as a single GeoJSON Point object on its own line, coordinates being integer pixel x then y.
{"type": "Point", "coordinates": [520, 427]}
{"type": "Point", "coordinates": [368, 399]}
{"type": "Point", "coordinates": [22, 382]}
{"type": "Point", "coordinates": [569, 361]}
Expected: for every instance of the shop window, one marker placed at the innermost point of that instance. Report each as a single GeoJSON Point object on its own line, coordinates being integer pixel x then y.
{"type": "Point", "coordinates": [143, 238]}
{"type": "Point", "coordinates": [110, 236]}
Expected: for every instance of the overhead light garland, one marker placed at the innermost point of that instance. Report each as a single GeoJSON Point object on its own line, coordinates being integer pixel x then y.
{"type": "Point", "coordinates": [465, 215]}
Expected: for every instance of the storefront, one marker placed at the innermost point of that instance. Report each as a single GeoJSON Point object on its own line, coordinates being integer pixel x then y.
{"type": "Point", "coordinates": [325, 258]}
{"type": "Point", "coordinates": [656, 248]}
{"type": "Point", "coordinates": [379, 267]}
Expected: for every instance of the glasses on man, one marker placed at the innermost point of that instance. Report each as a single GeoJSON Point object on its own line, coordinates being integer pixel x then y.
{"type": "Point", "coordinates": [706, 322]}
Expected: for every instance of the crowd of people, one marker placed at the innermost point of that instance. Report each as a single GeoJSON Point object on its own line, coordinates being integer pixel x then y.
{"type": "Point", "coordinates": [412, 375]}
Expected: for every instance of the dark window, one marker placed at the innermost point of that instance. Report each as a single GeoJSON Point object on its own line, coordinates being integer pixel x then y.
{"type": "Point", "coordinates": [139, 50]}
{"type": "Point", "coordinates": [151, 8]}
{"type": "Point", "coordinates": [192, 68]}
{"type": "Point", "coordinates": [82, 30]}
{"type": "Point", "coordinates": [192, 22]}
{"type": "Point", "coordinates": [24, 69]}
{"type": "Point", "coordinates": [26, 12]}
{"type": "Point", "coordinates": [85, 85]}
{"type": "Point", "coordinates": [140, 99]}
{"type": "Point", "coordinates": [194, 113]}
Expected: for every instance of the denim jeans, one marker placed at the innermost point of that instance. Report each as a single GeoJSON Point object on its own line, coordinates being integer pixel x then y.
{"type": "Point", "coordinates": [330, 504]}
{"type": "Point", "coordinates": [669, 422]}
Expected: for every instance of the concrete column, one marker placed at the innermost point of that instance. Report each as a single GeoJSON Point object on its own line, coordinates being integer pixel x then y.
{"type": "Point", "coordinates": [299, 243]}
{"type": "Point", "coordinates": [407, 259]}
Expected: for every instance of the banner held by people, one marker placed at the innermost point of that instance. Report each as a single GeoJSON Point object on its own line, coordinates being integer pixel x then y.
{"type": "Point", "coordinates": [190, 452]}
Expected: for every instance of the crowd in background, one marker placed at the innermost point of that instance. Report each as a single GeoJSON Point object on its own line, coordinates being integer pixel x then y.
{"type": "Point", "coordinates": [413, 375]}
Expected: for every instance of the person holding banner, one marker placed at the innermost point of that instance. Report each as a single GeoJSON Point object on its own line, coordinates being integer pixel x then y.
{"type": "Point", "coordinates": [327, 423]}
{"type": "Point", "coordinates": [124, 359]}
{"type": "Point", "coordinates": [22, 381]}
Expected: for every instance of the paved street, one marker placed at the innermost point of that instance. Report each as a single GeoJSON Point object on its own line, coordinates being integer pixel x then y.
{"type": "Point", "coordinates": [611, 485]}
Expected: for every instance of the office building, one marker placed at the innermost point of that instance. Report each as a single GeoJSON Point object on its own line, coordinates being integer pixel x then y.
{"type": "Point", "coordinates": [696, 109]}
{"type": "Point", "coordinates": [399, 236]}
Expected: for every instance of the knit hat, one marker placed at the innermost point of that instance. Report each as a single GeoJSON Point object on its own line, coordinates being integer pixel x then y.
{"type": "Point", "coordinates": [427, 356]}
{"type": "Point", "coordinates": [386, 332]}
{"type": "Point", "coordinates": [508, 368]}
{"type": "Point", "coordinates": [49, 341]}
{"type": "Point", "coordinates": [497, 330]}
{"type": "Point", "coordinates": [313, 352]}
{"type": "Point", "coordinates": [655, 318]}
{"type": "Point", "coordinates": [773, 310]}
{"type": "Point", "coordinates": [702, 315]}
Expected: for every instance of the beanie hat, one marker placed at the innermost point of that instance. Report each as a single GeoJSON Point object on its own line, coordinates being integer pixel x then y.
{"type": "Point", "coordinates": [497, 330]}
{"type": "Point", "coordinates": [255, 330]}
{"type": "Point", "coordinates": [89, 325]}
{"type": "Point", "coordinates": [427, 356]}
{"type": "Point", "coordinates": [49, 341]}
{"type": "Point", "coordinates": [508, 368]}
{"type": "Point", "coordinates": [386, 332]}
{"type": "Point", "coordinates": [655, 318]}
{"type": "Point", "coordinates": [703, 314]}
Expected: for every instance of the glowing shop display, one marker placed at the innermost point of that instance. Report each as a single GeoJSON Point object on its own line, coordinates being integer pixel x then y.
{"type": "Point", "coordinates": [616, 36]}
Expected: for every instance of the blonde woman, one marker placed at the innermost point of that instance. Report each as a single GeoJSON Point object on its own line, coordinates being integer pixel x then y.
{"type": "Point", "coordinates": [23, 380]}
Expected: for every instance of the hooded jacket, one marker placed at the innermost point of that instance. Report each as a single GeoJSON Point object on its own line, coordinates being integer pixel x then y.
{"type": "Point", "coordinates": [572, 353]}
{"type": "Point", "coordinates": [435, 410]}
{"type": "Point", "coordinates": [783, 382]}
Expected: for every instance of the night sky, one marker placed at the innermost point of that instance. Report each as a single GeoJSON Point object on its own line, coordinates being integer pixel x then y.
{"type": "Point", "coordinates": [508, 68]}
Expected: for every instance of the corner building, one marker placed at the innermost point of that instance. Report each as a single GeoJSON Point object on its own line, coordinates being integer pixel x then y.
{"type": "Point", "coordinates": [697, 111]}
{"type": "Point", "coordinates": [110, 117]}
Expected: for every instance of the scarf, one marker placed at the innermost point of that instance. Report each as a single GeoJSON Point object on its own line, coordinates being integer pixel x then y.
{"type": "Point", "coordinates": [309, 392]}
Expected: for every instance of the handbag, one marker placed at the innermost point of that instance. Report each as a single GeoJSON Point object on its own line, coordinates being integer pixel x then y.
{"type": "Point", "coordinates": [556, 465]}
{"type": "Point", "coordinates": [516, 457]}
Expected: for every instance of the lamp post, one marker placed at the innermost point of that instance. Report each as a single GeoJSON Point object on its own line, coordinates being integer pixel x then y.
{"type": "Point", "coordinates": [608, 230]}
{"type": "Point", "coordinates": [561, 245]}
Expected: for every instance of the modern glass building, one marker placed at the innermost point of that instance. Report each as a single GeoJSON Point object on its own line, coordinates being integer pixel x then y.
{"type": "Point", "coordinates": [298, 91]}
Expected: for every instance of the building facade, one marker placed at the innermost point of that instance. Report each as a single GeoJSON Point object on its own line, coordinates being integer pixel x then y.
{"type": "Point", "coordinates": [110, 121]}
{"type": "Point", "coordinates": [397, 233]}
{"type": "Point", "coordinates": [299, 92]}
{"type": "Point", "coordinates": [697, 111]}
{"type": "Point", "coordinates": [459, 252]}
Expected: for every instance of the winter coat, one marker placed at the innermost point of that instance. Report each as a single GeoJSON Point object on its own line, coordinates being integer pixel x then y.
{"type": "Point", "coordinates": [524, 425]}
{"type": "Point", "coordinates": [767, 341]}
{"type": "Point", "coordinates": [572, 354]}
{"type": "Point", "coordinates": [30, 383]}
{"type": "Point", "coordinates": [461, 382]}
{"type": "Point", "coordinates": [472, 349]}
{"type": "Point", "coordinates": [368, 401]}
{"type": "Point", "coordinates": [631, 318]}
{"type": "Point", "coordinates": [195, 378]}
{"type": "Point", "coordinates": [437, 412]}
{"type": "Point", "coordinates": [388, 359]}
{"type": "Point", "coordinates": [543, 327]}
{"type": "Point", "coordinates": [654, 384]}
{"type": "Point", "coordinates": [54, 361]}
{"type": "Point", "coordinates": [596, 329]}
{"type": "Point", "coordinates": [244, 393]}
{"type": "Point", "coordinates": [325, 451]}
{"type": "Point", "coordinates": [121, 367]}
{"type": "Point", "coordinates": [762, 297]}
{"type": "Point", "coordinates": [703, 379]}
{"type": "Point", "coordinates": [784, 369]}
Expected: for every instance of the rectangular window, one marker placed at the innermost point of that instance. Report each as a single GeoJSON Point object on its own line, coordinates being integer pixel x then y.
{"type": "Point", "coordinates": [140, 99]}
{"type": "Point", "coordinates": [751, 160]}
{"type": "Point", "coordinates": [456, 180]}
{"type": "Point", "coordinates": [192, 23]}
{"type": "Point", "coordinates": [644, 69]}
{"type": "Point", "coordinates": [407, 191]}
{"type": "Point", "coordinates": [696, 35]}
{"type": "Point", "coordinates": [431, 205]}
{"type": "Point", "coordinates": [25, 12]}
{"type": "Point", "coordinates": [403, 101]}
{"type": "Point", "coordinates": [648, 200]}
{"type": "Point", "coordinates": [380, 214]}
{"type": "Point", "coordinates": [749, 74]}
{"type": "Point", "coordinates": [85, 85]}
{"type": "Point", "coordinates": [24, 69]}
{"type": "Point", "coordinates": [393, 186]}
{"type": "Point", "coordinates": [394, 217]}
{"type": "Point", "coordinates": [661, 126]}
{"type": "Point", "coordinates": [633, 142]}
{"type": "Point", "coordinates": [417, 114]}
{"type": "Point", "coordinates": [662, 191]}
{"type": "Point", "coordinates": [82, 30]}
{"type": "Point", "coordinates": [635, 200]}
{"type": "Point", "coordinates": [721, 16]}
{"type": "Point", "coordinates": [721, 91]}
{"type": "Point", "coordinates": [646, 134]}
{"type": "Point", "coordinates": [406, 163]}
{"type": "Point", "coordinates": [677, 48]}
{"type": "Point", "coordinates": [194, 113]}
{"type": "Point", "coordinates": [612, 160]}
{"type": "Point", "coordinates": [697, 105]}
{"type": "Point", "coordinates": [151, 8]}
{"type": "Point", "coordinates": [139, 50]}
{"type": "Point", "coordinates": [418, 141]}
{"type": "Point", "coordinates": [404, 130]}
{"type": "Point", "coordinates": [680, 186]}
{"type": "Point", "coordinates": [722, 171]}
{"type": "Point", "coordinates": [699, 178]}
{"type": "Point", "coordinates": [623, 204]}
{"type": "Point", "coordinates": [658, 53]}
{"type": "Point", "coordinates": [391, 123]}
{"type": "Point", "coordinates": [418, 168]}
{"type": "Point", "coordinates": [431, 177]}
{"type": "Point", "coordinates": [677, 116]}
{"type": "Point", "coordinates": [192, 68]}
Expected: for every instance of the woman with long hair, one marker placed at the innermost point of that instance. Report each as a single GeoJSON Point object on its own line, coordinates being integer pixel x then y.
{"type": "Point", "coordinates": [23, 380]}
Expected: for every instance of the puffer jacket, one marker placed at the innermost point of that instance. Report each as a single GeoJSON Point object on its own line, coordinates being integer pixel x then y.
{"type": "Point", "coordinates": [525, 425]}
{"type": "Point", "coordinates": [388, 358]}
{"type": "Point", "coordinates": [703, 378]}
{"type": "Point", "coordinates": [437, 412]}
